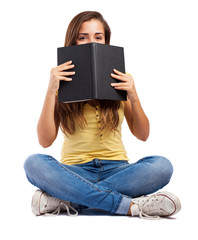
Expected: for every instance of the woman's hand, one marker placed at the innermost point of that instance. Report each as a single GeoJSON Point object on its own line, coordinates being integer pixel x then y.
{"type": "Point", "coordinates": [135, 116]}
{"type": "Point", "coordinates": [127, 84]}
{"type": "Point", "coordinates": [58, 74]}
{"type": "Point", "coordinates": [48, 124]}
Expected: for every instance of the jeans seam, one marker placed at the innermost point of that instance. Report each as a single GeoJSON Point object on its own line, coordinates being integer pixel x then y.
{"type": "Point", "coordinates": [79, 177]}
{"type": "Point", "coordinates": [101, 169]}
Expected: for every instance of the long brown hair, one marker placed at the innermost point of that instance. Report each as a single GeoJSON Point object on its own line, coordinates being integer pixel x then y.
{"type": "Point", "coordinates": [71, 113]}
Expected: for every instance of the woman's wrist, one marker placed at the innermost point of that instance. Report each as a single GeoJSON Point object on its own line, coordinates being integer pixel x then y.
{"type": "Point", "coordinates": [51, 92]}
{"type": "Point", "coordinates": [133, 97]}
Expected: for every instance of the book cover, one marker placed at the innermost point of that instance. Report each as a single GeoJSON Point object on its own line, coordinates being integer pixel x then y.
{"type": "Point", "coordinates": [94, 62]}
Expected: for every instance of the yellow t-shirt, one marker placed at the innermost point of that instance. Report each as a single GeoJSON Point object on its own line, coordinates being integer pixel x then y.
{"type": "Point", "coordinates": [85, 144]}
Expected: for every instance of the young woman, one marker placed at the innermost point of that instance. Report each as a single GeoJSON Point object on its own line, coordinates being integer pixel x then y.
{"type": "Point", "coordinates": [94, 170]}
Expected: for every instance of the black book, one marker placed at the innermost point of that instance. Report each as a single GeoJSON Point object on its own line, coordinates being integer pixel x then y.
{"type": "Point", "coordinates": [94, 62]}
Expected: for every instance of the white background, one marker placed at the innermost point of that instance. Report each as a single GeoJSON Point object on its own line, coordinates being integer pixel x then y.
{"type": "Point", "coordinates": [160, 41]}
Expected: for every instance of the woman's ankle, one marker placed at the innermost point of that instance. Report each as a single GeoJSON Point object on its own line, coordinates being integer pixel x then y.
{"type": "Point", "coordinates": [129, 212]}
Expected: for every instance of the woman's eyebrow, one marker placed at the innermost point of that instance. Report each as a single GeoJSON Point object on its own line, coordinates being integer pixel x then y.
{"type": "Point", "coordinates": [84, 33]}
{"type": "Point", "coordinates": [97, 33]}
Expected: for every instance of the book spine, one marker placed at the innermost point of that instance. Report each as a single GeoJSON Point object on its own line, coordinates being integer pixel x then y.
{"type": "Point", "coordinates": [94, 70]}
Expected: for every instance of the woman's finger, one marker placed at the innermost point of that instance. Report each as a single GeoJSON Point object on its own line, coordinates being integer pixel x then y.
{"type": "Point", "coordinates": [123, 74]}
{"type": "Point", "coordinates": [66, 73]}
{"type": "Point", "coordinates": [118, 72]}
{"type": "Point", "coordinates": [65, 79]}
{"type": "Point", "coordinates": [122, 78]}
{"type": "Point", "coordinates": [120, 85]}
{"type": "Point", "coordinates": [65, 66]}
{"type": "Point", "coordinates": [122, 88]}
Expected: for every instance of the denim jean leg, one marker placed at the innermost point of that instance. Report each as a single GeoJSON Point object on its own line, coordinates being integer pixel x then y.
{"type": "Point", "coordinates": [141, 178]}
{"type": "Point", "coordinates": [61, 182]}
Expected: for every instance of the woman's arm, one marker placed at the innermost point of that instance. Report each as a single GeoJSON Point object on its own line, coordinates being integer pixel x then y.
{"type": "Point", "coordinates": [48, 124]}
{"type": "Point", "coordinates": [136, 118]}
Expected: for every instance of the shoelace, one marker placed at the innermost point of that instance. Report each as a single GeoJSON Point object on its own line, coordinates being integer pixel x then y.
{"type": "Point", "coordinates": [67, 208]}
{"type": "Point", "coordinates": [148, 205]}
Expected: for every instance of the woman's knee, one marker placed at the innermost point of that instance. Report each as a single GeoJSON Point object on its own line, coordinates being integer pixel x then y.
{"type": "Point", "coordinates": [30, 161]}
{"type": "Point", "coordinates": [164, 167]}
{"type": "Point", "coordinates": [34, 162]}
{"type": "Point", "coordinates": [38, 167]}
{"type": "Point", "coordinates": [159, 166]}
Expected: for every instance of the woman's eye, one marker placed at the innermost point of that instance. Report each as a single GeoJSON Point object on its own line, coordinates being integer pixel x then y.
{"type": "Point", "coordinates": [99, 37]}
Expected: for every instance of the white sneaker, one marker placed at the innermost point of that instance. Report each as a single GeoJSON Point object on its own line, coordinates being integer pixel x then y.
{"type": "Point", "coordinates": [42, 203]}
{"type": "Point", "coordinates": [162, 204]}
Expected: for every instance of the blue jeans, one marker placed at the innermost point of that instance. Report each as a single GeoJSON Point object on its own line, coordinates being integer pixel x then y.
{"type": "Point", "coordinates": [101, 184]}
